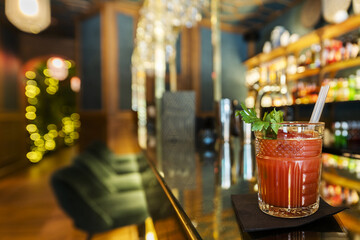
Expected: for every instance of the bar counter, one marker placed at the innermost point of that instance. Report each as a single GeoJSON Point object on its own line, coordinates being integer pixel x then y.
{"type": "Point", "coordinates": [198, 182]}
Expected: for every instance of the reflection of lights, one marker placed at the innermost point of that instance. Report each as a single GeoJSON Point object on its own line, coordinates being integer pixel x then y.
{"type": "Point", "coordinates": [50, 145]}
{"type": "Point", "coordinates": [31, 91]}
{"type": "Point", "coordinates": [75, 116]}
{"type": "Point", "coordinates": [30, 75]}
{"type": "Point", "coordinates": [75, 84]}
{"type": "Point", "coordinates": [30, 115]}
{"type": "Point", "coordinates": [51, 90]}
{"type": "Point", "coordinates": [46, 72]}
{"type": "Point", "coordinates": [208, 154]}
{"type": "Point", "coordinates": [74, 135]}
{"type": "Point", "coordinates": [31, 82]}
{"type": "Point", "coordinates": [277, 102]}
{"type": "Point", "coordinates": [31, 128]}
{"type": "Point", "coordinates": [68, 140]}
{"type": "Point", "coordinates": [34, 156]}
{"type": "Point", "coordinates": [44, 142]}
{"type": "Point", "coordinates": [53, 133]}
{"type": "Point", "coordinates": [57, 68]}
{"type": "Point", "coordinates": [250, 101]}
{"type": "Point", "coordinates": [51, 127]}
{"type": "Point", "coordinates": [30, 109]}
{"type": "Point", "coordinates": [225, 166]}
{"type": "Point", "coordinates": [340, 16]}
{"type": "Point", "coordinates": [266, 101]}
{"type": "Point", "coordinates": [35, 136]}
{"type": "Point", "coordinates": [57, 62]}
{"type": "Point", "coordinates": [149, 236]}
{"type": "Point", "coordinates": [150, 229]}
{"type": "Point", "coordinates": [301, 69]}
{"type": "Point", "coordinates": [32, 101]}
{"type": "Point", "coordinates": [67, 64]}
{"type": "Point", "coordinates": [248, 162]}
{"type": "Point", "coordinates": [39, 142]}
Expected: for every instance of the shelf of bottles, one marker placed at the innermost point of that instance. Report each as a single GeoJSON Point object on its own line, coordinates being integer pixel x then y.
{"type": "Point", "coordinates": [297, 71]}
{"type": "Point", "coordinates": [344, 139]}
{"type": "Point", "coordinates": [340, 184]}
{"type": "Point", "coordinates": [300, 83]}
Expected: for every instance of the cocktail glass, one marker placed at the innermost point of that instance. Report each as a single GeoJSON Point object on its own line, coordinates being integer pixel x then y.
{"type": "Point", "coordinates": [289, 169]}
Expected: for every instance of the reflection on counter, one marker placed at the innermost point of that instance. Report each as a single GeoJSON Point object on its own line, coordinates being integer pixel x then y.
{"type": "Point", "coordinates": [224, 115]}
{"type": "Point", "coordinates": [102, 191]}
{"type": "Point", "coordinates": [178, 163]}
{"type": "Point", "coordinates": [225, 165]}
{"type": "Point", "coordinates": [248, 164]}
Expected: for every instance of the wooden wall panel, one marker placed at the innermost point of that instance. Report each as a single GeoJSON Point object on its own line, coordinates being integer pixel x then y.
{"type": "Point", "coordinates": [93, 128]}
{"type": "Point", "coordinates": [12, 143]}
{"type": "Point", "coordinates": [113, 124]}
{"type": "Point", "coordinates": [122, 133]}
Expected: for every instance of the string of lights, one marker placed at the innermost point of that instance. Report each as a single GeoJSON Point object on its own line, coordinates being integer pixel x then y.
{"type": "Point", "coordinates": [51, 108]}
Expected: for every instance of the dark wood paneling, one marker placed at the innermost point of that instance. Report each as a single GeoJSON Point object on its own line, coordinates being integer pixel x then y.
{"type": "Point", "coordinates": [12, 143]}
{"type": "Point", "coordinates": [93, 128]}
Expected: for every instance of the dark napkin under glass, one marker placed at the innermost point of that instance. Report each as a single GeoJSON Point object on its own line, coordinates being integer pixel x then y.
{"type": "Point", "coordinates": [252, 219]}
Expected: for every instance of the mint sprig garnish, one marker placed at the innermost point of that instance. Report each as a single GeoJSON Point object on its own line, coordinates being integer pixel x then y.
{"type": "Point", "coordinates": [268, 124]}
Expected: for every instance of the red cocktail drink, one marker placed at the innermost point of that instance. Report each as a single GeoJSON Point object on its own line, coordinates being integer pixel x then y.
{"type": "Point", "coordinates": [289, 169]}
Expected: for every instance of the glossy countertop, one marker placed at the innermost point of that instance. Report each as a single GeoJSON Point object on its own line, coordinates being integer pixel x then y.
{"type": "Point", "coordinates": [199, 177]}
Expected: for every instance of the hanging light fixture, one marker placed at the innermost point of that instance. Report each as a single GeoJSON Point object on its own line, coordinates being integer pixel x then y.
{"type": "Point", "coordinates": [30, 16]}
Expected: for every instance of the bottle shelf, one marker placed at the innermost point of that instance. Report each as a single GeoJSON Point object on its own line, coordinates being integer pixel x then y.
{"type": "Point", "coordinates": [306, 73]}
{"type": "Point", "coordinates": [327, 32]}
{"type": "Point", "coordinates": [309, 104]}
{"type": "Point", "coordinates": [329, 68]}
{"type": "Point", "coordinates": [332, 175]}
{"type": "Point", "coordinates": [350, 153]}
{"type": "Point", "coordinates": [334, 67]}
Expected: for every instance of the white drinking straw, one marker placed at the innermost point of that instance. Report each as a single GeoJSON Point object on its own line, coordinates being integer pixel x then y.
{"type": "Point", "coordinates": [319, 105]}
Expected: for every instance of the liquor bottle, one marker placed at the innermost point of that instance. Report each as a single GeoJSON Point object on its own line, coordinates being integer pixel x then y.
{"type": "Point", "coordinates": [337, 133]}
{"type": "Point", "coordinates": [357, 85]}
{"type": "Point", "coordinates": [344, 134]}
{"type": "Point", "coordinates": [352, 87]}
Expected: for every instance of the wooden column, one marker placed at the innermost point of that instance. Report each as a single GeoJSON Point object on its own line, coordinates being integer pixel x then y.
{"type": "Point", "coordinates": [111, 123]}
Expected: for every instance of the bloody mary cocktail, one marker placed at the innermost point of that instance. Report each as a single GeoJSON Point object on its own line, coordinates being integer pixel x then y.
{"type": "Point", "coordinates": [289, 169]}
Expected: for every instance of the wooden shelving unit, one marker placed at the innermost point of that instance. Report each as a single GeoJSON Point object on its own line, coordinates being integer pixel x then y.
{"type": "Point", "coordinates": [333, 178]}
{"type": "Point", "coordinates": [334, 67]}
{"type": "Point", "coordinates": [306, 73]}
{"type": "Point", "coordinates": [316, 36]}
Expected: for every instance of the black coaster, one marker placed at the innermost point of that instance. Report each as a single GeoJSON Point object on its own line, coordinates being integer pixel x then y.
{"type": "Point", "coordinates": [252, 219]}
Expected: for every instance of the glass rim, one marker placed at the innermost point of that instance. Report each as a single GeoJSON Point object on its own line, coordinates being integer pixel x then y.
{"type": "Point", "coordinates": [300, 123]}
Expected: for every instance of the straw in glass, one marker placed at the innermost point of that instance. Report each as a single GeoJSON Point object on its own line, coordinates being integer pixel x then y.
{"type": "Point", "coordinates": [319, 105]}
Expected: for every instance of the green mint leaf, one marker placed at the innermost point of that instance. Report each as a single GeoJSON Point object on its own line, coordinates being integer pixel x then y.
{"type": "Point", "coordinates": [268, 124]}
{"type": "Point", "coordinates": [257, 126]}
{"type": "Point", "coordinates": [265, 116]}
{"type": "Point", "coordinates": [275, 127]}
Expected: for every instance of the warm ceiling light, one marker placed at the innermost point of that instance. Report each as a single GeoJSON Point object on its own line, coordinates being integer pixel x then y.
{"type": "Point", "coordinates": [30, 16]}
